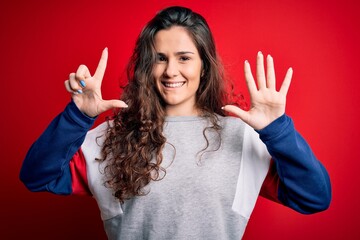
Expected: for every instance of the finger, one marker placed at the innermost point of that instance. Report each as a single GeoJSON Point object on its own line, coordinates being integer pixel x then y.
{"type": "Point", "coordinates": [237, 111]}
{"type": "Point", "coordinates": [100, 70]}
{"type": "Point", "coordinates": [82, 73]}
{"type": "Point", "coordinates": [67, 86]}
{"type": "Point", "coordinates": [260, 71]}
{"type": "Point", "coordinates": [74, 84]}
{"type": "Point", "coordinates": [287, 81]}
{"type": "Point", "coordinates": [250, 82]}
{"type": "Point", "coordinates": [270, 73]}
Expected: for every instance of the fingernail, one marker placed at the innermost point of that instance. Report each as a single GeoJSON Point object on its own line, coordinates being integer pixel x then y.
{"type": "Point", "coordinates": [79, 91]}
{"type": "Point", "coordinates": [246, 61]}
{"type": "Point", "coordinates": [82, 83]}
{"type": "Point", "coordinates": [259, 53]}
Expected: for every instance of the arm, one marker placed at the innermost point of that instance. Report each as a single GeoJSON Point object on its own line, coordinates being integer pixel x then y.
{"type": "Point", "coordinates": [296, 178]}
{"type": "Point", "coordinates": [46, 165]}
{"type": "Point", "coordinates": [300, 181]}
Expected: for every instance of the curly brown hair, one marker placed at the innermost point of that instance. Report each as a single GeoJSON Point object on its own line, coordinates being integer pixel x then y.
{"type": "Point", "coordinates": [135, 140]}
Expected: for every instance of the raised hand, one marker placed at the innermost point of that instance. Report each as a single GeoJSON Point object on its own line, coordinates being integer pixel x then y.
{"type": "Point", "coordinates": [267, 104]}
{"type": "Point", "coordinates": [86, 89]}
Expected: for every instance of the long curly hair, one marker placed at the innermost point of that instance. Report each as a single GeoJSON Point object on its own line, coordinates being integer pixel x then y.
{"type": "Point", "coordinates": [134, 142]}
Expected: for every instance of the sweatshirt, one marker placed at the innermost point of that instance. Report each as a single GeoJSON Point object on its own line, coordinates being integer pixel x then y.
{"type": "Point", "coordinates": [204, 195]}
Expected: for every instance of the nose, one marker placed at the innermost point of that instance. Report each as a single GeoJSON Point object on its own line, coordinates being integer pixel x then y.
{"type": "Point", "coordinates": [171, 69]}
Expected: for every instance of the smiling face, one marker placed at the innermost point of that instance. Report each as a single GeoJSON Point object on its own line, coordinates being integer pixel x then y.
{"type": "Point", "coordinates": [177, 71]}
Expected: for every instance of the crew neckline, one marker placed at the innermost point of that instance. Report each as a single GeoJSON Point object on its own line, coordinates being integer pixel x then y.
{"type": "Point", "coordinates": [187, 118]}
{"type": "Point", "coordinates": [183, 118]}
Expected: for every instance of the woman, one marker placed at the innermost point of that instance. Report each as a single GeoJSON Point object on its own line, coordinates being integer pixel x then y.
{"type": "Point", "coordinates": [170, 164]}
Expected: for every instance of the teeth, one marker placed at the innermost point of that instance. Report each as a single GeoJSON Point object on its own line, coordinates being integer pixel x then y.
{"type": "Point", "coordinates": [173, 85]}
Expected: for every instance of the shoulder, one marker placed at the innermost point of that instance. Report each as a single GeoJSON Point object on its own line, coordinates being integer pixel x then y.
{"type": "Point", "coordinates": [234, 126]}
{"type": "Point", "coordinates": [232, 129]}
{"type": "Point", "coordinates": [100, 129]}
{"type": "Point", "coordinates": [96, 136]}
{"type": "Point", "coordinates": [229, 122]}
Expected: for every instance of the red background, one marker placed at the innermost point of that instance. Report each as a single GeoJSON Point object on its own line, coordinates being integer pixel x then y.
{"type": "Point", "coordinates": [41, 42]}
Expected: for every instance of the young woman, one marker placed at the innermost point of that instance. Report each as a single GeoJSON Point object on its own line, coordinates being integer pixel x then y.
{"type": "Point", "coordinates": [170, 164]}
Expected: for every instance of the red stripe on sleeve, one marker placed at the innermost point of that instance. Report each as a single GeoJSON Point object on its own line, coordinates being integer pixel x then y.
{"type": "Point", "coordinates": [270, 186]}
{"type": "Point", "coordinates": [78, 174]}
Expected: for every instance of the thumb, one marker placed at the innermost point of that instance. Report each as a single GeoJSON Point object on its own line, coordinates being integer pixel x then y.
{"type": "Point", "coordinates": [109, 104]}
{"type": "Point", "coordinates": [243, 115]}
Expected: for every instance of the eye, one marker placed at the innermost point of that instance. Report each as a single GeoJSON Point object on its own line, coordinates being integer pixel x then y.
{"type": "Point", "coordinates": [161, 58]}
{"type": "Point", "coordinates": [184, 58]}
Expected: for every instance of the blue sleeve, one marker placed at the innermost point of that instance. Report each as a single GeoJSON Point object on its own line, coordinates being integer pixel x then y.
{"type": "Point", "coordinates": [46, 165]}
{"type": "Point", "coordinates": [304, 182]}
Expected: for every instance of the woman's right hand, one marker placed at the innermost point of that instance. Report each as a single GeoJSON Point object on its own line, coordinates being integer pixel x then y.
{"type": "Point", "coordinates": [86, 89]}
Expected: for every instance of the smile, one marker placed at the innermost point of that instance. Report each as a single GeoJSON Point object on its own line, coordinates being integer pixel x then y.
{"type": "Point", "coordinates": [173, 84]}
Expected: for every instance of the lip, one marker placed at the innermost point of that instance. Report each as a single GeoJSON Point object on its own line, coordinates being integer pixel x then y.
{"type": "Point", "coordinates": [173, 84]}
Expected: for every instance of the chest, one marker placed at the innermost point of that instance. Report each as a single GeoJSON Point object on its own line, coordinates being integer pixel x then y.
{"type": "Point", "coordinates": [201, 168]}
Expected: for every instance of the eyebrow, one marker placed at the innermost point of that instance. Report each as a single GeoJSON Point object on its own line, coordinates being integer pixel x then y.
{"type": "Point", "coordinates": [177, 53]}
{"type": "Point", "coordinates": [184, 52]}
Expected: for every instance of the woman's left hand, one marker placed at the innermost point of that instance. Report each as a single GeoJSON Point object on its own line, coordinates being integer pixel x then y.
{"type": "Point", "coordinates": [267, 104]}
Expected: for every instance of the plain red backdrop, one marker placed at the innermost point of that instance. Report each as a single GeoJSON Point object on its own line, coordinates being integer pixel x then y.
{"type": "Point", "coordinates": [41, 42]}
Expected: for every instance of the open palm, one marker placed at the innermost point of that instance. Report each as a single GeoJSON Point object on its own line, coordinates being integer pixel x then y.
{"type": "Point", "coordinates": [267, 104]}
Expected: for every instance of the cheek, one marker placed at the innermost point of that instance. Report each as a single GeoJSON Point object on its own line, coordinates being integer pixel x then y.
{"type": "Point", "coordinates": [193, 72]}
{"type": "Point", "coordinates": [156, 72]}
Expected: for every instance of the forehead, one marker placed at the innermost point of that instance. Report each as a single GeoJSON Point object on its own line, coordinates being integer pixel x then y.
{"type": "Point", "coordinates": [174, 39]}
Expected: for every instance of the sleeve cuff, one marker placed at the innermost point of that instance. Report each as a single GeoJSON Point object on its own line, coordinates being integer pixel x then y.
{"type": "Point", "coordinates": [276, 128]}
{"type": "Point", "coordinates": [78, 117]}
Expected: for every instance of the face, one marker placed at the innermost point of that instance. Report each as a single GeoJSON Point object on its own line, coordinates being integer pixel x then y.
{"type": "Point", "coordinates": [177, 71]}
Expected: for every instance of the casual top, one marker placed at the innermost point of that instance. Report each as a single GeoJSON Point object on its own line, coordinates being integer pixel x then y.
{"type": "Point", "coordinates": [205, 194]}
